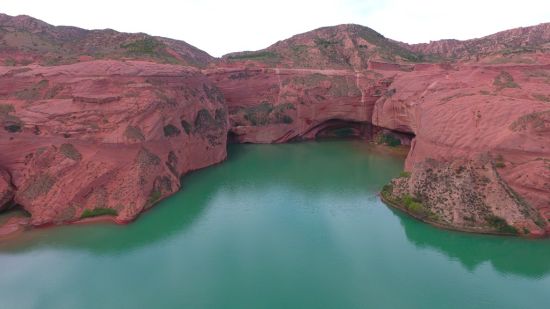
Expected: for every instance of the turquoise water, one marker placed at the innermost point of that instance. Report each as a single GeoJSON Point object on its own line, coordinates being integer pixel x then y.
{"type": "Point", "coordinates": [276, 226]}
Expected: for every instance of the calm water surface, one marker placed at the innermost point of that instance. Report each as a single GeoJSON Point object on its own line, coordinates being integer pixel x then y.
{"type": "Point", "coordinates": [276, 226]}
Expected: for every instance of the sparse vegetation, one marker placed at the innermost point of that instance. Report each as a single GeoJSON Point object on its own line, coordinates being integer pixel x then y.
{"type": "Point", "coordinates": [505, 80]}
{"type": "Point", "coordinates": [89, 213]}
{"type": "Point", "coordinates": [171, 130]}
{"type": "Point", "coordinates": [146, 46]}
{"type": "Point", "coordinates": [204, 121]}
{"type": "Point", "coordinates": [69, 151]}
{"type": "Point", "coordinates": [265, 113]}
{"type": "Point", "coordinates": [145, 157]}
{"type": "Point", "coordinates": [500, 224]}
{"type": "Point", "coordinates": [326, 43]}
{"type": "Point", "coordinates": [266, 56]}
{"type": "Point", "coordinates": [542, 97]}
{"type": "Point", "coordinates": [10, 62]}
{"type": "Point", "coordinates": [33, 92]}
{"type": "Point", "coordinates": [536, 120]}
{"type": "Point", "coordinates": [39, 185]}
{"type": "Point", "coordinates": [405, 174]}
{"type": "Point", "coordinates": [134, 133]}
{"type": "Point", "coordinates": [186, 127]}
{"type": "Point", "coordinates": [10, 122]}
{"type": "Point", "coordinates": [154, 196]}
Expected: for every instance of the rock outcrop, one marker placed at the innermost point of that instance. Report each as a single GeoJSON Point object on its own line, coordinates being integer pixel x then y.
{"type": "Point", "coordinates": [105, 137]}
{"type": "Point", "coordinates": [82, 137]}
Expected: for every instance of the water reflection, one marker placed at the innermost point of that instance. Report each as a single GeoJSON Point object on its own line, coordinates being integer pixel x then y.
{"type": "Point", "coordinates": [504, 253]}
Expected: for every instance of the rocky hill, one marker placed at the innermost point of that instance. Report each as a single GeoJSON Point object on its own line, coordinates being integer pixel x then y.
{"type": "Point", "coordinates": [25, 40]}
{"type": "Point", "coordinates": [505, 43]}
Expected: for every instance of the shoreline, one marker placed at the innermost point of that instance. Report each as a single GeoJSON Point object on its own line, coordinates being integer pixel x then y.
{"type": "Point", "coordinates": [455, 228]}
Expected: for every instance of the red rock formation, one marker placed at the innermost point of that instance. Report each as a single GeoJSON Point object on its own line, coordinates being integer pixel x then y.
{"type": "Point", "coordinates": [105, 135]}
{"type": "Point", "coordinates": [114, 136]}
{"type": "Point", "coordinates": [25, 40]}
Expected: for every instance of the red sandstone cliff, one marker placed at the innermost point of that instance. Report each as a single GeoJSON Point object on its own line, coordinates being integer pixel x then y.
{"type": "Point", "coordinates": [105, 135]}
{"type": "Point", "coordinates": [95, 135]}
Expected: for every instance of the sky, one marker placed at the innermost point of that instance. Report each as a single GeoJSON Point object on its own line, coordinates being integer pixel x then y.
{"type": "Point", "coordinates": [220, 27]}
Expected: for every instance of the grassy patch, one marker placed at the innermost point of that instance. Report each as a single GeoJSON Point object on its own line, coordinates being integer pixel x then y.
{"type": "Point", "coordinates": [500, 224]}
{"type": "Point", "coordinates": [537, 120]}
{"type": "Point", "coordinates": [89, 213]}
{"type": "Point", "coordinates": [405, 174]}
{"type": "Point", "coordinates": [326, 43]}
{"type": "Point", "coordinates": [6, 109]}
{"type": "Point", "coordinates": [69, 151]}
{"type": "Point", "coordinates": [10, 62]}
{"type": "Point", "coordinates": [504, 80]}
{"type": "Point", "coordinates": [146, 46]}
{"type": "Point", "coordinates": [542, 97]}
{"type": "Point", "coordinates": [415, 206]}
{"type": "Point", "coordinates": [135, 133]}
{"type": "Point", "coordinates": [257, 55]}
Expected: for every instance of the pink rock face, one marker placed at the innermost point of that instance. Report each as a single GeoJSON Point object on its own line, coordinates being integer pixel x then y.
{"type": "Point", "coordinates": [494, 110]}
{"type": "Point", "coordinates": [105, 135]}
{"type": "Point", "coordinates": [456, 112]}
{"type": "Point", "coordinates": [275, 105]}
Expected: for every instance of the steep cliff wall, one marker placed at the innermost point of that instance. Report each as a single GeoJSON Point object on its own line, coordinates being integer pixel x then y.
{"type": "Point", "coordinates": [105, 136]}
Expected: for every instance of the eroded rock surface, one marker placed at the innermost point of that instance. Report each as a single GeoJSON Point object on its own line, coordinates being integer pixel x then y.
{"type": "Point", "coordinates": [105, 136]}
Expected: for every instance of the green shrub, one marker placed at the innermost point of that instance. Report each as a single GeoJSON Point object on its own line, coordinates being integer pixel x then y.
{"type": "Point", "coordinates": [204, 121]}
{"type": "Point", "coordinates": [405, 174]}
{"type": "Point", "coordinates": [500, 224]}
{"type": "Point", "coordinates": [415, 206]}
{"type": "Point", "coordinates": [186, 127]}
{"type": "Point", "coordinates": [500, 164]}
{"type": "Point", "coordinates": [69, 151]}
{"type": "Point", "coordinates": [171, 130]}
{"type": "Point", "coordinates": [154, 196]}
{"type": "Point", "coordinates": [89, 213]}
{"type": "Point", "coordinates": [387, 191]}
{"type": "Point", "coordinates": [13, 128]}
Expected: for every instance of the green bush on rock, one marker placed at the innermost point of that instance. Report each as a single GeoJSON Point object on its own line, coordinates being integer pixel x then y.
{"type": "Point", "coordinates": [89, 213]}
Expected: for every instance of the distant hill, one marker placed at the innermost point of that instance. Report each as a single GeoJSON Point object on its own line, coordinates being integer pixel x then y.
{"type": "Point", "coordinates": [24, 40]}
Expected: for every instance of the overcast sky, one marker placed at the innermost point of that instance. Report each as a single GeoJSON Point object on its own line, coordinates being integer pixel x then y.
{"type": "Point", "coordinates": [220, 27]}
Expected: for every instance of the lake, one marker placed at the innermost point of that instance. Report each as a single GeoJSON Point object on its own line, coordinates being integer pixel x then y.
{"type": "Point", "coordinates": [275, 226]}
